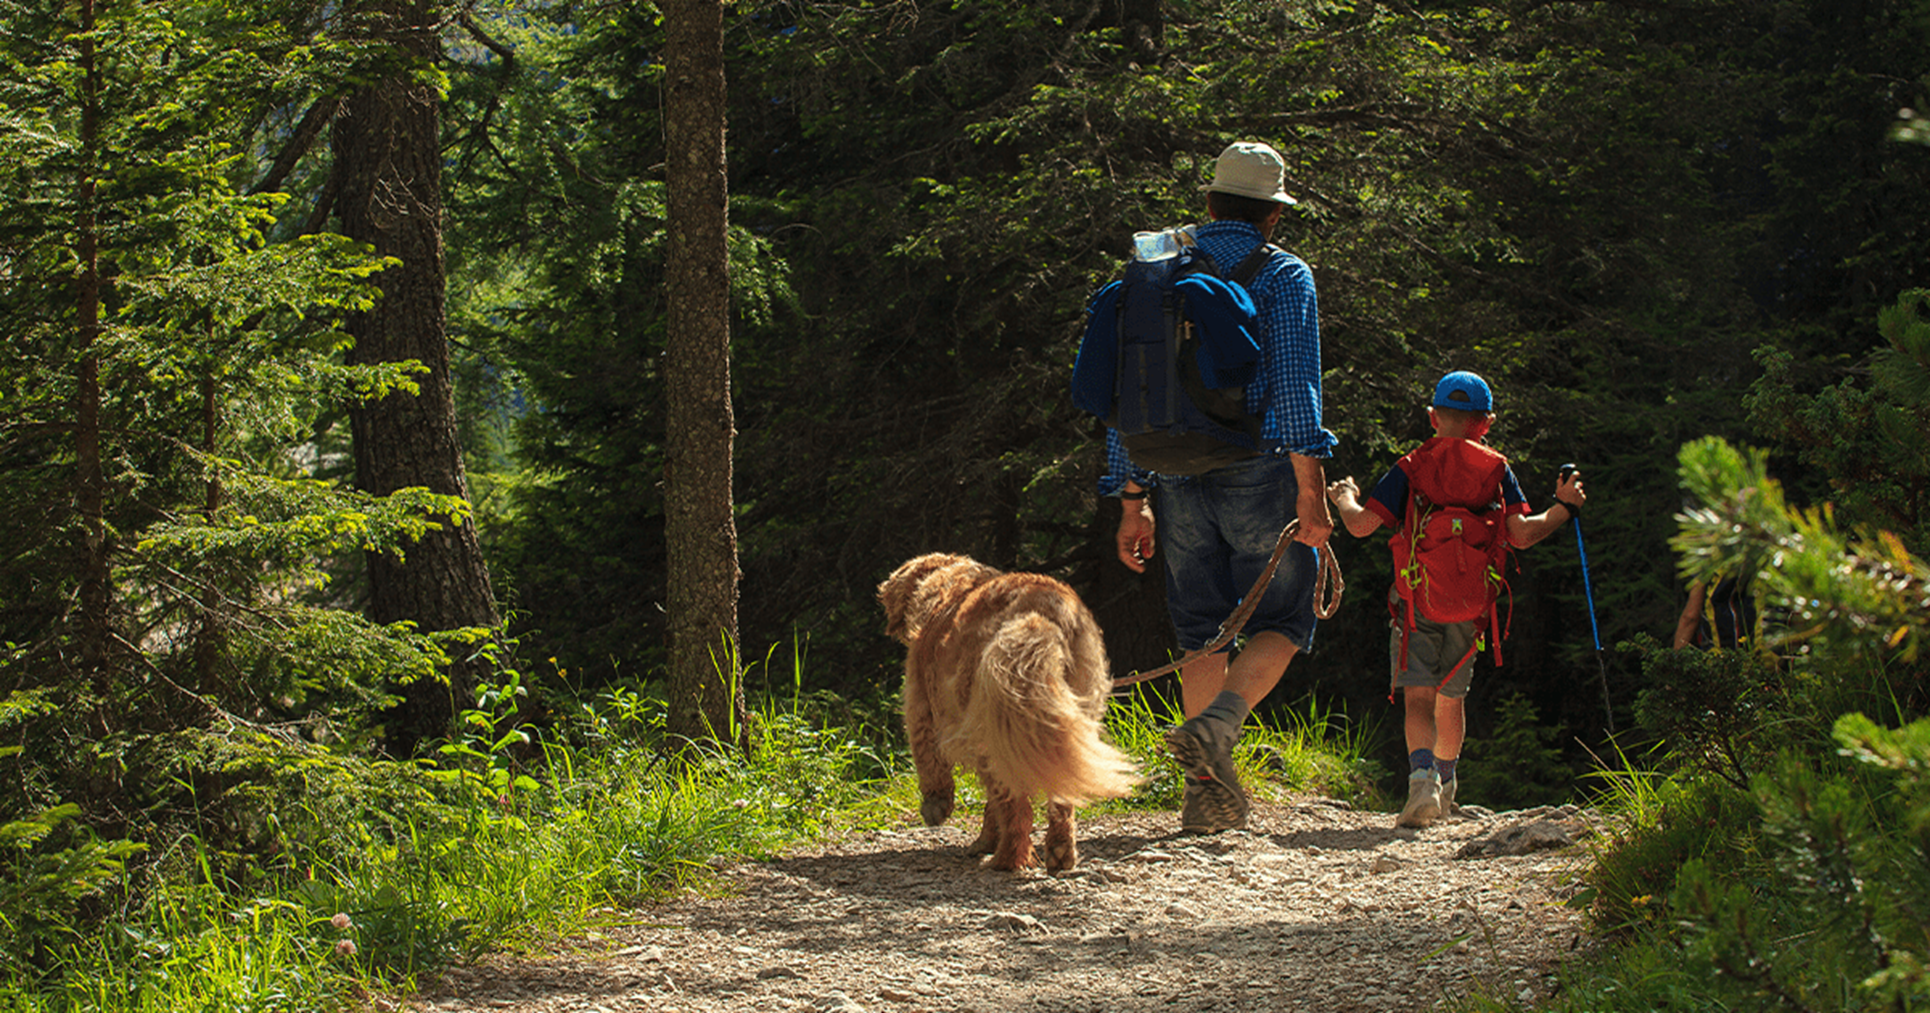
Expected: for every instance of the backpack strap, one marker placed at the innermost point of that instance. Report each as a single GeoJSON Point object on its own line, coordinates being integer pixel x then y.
{"type": "Point", "coordinates": [1473, 649]}
{"type": "Point", "coordinates": [1254, 261]}
{"type": "Point", "coordinates": [1402, 607]}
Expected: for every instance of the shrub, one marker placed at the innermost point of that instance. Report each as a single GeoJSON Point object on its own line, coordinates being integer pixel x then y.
{"type": "Point", "coordinates": [1720, 712]}
{"type": "Point", "coordinates": [1662, 824]}
{"type": "Point", "coordinates": [1518, 765]}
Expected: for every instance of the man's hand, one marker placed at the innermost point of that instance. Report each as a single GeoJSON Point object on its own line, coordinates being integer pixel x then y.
{"type": "Point", "coordinates": [1135, 537]}
{"type": "Point", "coordinates": [1316, 524]}
{"type": "Point", "coordinates": [1310, 505]}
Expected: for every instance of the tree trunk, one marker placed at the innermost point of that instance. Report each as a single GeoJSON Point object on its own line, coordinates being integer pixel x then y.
{"type": "Point", "coordinates": [388, 194]}
{"type": "Point", "coordinates": [210, 638]}
{"type": "Point", "coordinates": [90, 499]}
{"type": "Point", "coordinates": [706, 699]}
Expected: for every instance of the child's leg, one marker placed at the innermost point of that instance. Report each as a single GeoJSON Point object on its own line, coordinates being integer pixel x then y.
{"type": "Point", "coordinates": [1450, 723]}
{"type": "Point", "coordinates": [1450, 732]}
{"type": "Point", "coordinates": [1423, 783]}
{"type": "Point", "coordinates": [1421, 726]}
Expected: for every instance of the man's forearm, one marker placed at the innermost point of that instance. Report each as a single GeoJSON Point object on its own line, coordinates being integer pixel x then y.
{"type": "Point", "coordinates": [1316, 521]}
{"type": "Point", "coordinates": [1311, 473]}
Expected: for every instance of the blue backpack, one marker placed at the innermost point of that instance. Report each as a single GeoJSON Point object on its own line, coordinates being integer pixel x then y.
{"type": "Point", "coordinates": [1167, 353]}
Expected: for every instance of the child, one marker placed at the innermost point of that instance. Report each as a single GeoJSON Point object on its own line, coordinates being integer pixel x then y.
{"type": "Point", "coordinates": [1434, 663]}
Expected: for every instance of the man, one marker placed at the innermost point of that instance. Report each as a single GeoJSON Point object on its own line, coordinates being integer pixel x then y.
{"type": "Point", "coordinates": [1219, 529]}
{"type": "Point", "coordinates": [1724, 618]}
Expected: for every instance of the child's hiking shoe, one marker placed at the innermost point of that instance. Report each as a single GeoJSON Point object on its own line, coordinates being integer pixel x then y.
{"type": "Point", "coordinates": [1423, 800]}
{"type": "Point", "coordinates": [1214, 800]}
{"type": "Point", "coordinates": [1448, 808]}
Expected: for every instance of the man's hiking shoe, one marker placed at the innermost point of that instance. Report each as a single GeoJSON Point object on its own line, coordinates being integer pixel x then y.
{"type": "Point", "coordinates": [1448, 808]}
{"type": "Point", "coordinates": [1214, 800]}
{"type": "Point", "coordinates": [1423, 799]}
{"type": "Point", "coordinates": [1211, 807]}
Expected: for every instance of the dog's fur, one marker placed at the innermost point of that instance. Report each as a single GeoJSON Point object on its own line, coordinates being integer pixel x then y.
{"type": "Point", "coordinates": [1006, 673]}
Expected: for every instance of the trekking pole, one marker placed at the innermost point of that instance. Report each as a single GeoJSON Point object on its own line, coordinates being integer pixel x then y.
{"type": "Point", "coordinates": [1588, 592]}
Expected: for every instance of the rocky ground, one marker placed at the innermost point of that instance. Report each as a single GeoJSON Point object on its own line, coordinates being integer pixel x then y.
{"type": "Point", "coordinates": [1316, 907]}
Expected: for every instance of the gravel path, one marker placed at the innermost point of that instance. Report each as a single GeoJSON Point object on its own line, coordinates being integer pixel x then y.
{"type": "Point", "coordinates": [1317, 907]}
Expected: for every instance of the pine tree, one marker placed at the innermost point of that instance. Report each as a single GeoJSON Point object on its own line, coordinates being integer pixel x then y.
{"type": "Point", "coordinates": [167, 549]}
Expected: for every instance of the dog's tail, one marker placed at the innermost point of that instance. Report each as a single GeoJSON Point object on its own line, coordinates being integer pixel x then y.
{"type": "Point", "coordinates": [1038, 708]}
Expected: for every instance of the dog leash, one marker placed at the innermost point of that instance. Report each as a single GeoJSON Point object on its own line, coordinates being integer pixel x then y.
{"type": "Point", "coordinates": [1328, 587]}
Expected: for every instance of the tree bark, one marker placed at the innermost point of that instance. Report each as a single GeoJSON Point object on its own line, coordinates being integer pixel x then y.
{"type": "Point", "coordinates": [706, 698]}
{"type": "Point", "coordinates": [388, 194]}
{"type": "Point", "coordinates": [90, 497]}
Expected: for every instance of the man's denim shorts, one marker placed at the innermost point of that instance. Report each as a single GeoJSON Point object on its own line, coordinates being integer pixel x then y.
{"type": "Point", "coordinates": [1217, 532]}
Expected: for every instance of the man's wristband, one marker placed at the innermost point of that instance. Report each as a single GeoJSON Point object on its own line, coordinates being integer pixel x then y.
{"type": "Point", "coordinates": [1141, 494]}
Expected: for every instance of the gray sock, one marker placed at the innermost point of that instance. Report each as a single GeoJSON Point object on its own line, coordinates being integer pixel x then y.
{"type": "Point", "coordinates": [1229, 707]}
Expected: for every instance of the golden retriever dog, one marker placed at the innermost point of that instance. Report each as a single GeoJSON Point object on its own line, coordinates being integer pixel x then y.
{"type": "Point", "coordinates": [1007, 674]}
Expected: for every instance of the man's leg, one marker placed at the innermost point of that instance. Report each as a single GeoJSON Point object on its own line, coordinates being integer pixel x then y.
{"type": "Point", "coordinates": [1253, 674]}
{"type": "Point", "coordinates": [1200, 682]}
{"type": "Point", "coordinates": [1217, 696]}
{"type": "Point", "coordinates": [1221, 531]}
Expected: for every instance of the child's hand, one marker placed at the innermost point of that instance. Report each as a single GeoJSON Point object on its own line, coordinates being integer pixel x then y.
{"type": "Point", "coordinates": [1569, 488]}
{"type": "Point", "coordinates": [1345, 489]}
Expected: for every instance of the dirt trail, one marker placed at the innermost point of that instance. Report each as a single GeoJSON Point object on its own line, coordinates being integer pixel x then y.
{"type": "Point", "coordinates": [1316, 907]}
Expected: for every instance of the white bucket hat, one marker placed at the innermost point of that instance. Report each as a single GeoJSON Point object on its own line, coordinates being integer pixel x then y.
{"type": "Point", "coordinates": [1251, 169]}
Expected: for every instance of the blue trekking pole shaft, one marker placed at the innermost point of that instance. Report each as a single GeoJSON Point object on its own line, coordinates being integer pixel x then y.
{"type": "Point", "coordinates": [1588, 592]}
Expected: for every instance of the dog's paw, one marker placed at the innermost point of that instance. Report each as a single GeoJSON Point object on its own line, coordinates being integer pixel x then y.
{"type": "Point", "coordinates": [1016, 857]}
{"type": "Point", "coordinates": [936, 808]}
{"type": "Point", "coordinates": [1061, 854]}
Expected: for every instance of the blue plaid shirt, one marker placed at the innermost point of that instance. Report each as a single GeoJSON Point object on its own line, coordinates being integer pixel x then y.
{"type": "Point", "coordinates": [1286, 394]}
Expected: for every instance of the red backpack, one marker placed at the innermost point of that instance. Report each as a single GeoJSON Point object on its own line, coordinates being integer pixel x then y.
{"type": "Point", "coordinates": [1450, 553]}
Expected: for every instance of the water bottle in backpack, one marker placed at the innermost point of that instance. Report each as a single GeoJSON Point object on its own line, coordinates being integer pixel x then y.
{"type": "Point", "coordinates": [1162, 245]}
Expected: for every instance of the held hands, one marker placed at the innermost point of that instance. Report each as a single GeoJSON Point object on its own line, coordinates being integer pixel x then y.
{"type": "Point", "coordinates": [1345, 496]}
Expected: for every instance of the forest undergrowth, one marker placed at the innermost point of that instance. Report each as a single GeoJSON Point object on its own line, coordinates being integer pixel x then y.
{"type": "Point", "coordinates": [362, 876]}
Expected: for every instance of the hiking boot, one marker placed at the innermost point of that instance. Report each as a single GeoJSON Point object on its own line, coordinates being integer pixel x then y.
{"type": "Point", "coordinates": [1448, 808]}
{"type": "Point", "coordinates": [1423, 799]}
{"type": "Point", "coordinates": [1210, 807]}
{"type": "Point", "coordinates": [1214, 800]}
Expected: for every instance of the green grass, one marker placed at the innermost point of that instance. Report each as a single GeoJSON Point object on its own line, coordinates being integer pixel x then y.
{"type": "Point", "coordinates": [382, 872]}
{"type": "Point", "coordinates": [1310, 748]}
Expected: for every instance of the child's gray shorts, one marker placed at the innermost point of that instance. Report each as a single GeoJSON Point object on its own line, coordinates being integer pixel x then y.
{"type": "Point", "coordinates": [1430, 650]}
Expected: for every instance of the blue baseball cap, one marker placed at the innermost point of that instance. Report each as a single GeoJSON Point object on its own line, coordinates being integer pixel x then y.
{"type": "Point", "coordinates": [1465, 391]}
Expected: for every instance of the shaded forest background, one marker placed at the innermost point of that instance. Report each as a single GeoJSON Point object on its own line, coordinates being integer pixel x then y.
{"type": "Point", "coordinates": [1644, 223]}
{"type": "Point", "coordinates": [1627, 216]}
{"type": "Point", "coordinates": [333, 429]}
